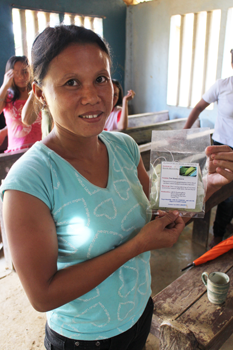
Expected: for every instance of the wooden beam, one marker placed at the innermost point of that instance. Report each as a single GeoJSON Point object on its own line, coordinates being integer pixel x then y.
{"type": "Point", "coordinates": [92, 23]}
{"type": "Point", "coordinates": [72, 19]}
{"type": "Point", "coordinates": [23, 32]}
{"type": "Point", "coordinates": [35, 22]}
{"type": "Point", "coordinates": [208, 22]}
{"type": "Point", "coordinates": [82, 21]}
{"type": "Point", "coordinates": [180, 58]}
{"type": "Point", "coordinates": [47, 19]}
{"type": "Point", "coordinates": [193, 57]}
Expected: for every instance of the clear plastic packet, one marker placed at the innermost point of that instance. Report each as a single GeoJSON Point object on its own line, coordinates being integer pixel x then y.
{"type": "Point", "coordinates": [177, 167]}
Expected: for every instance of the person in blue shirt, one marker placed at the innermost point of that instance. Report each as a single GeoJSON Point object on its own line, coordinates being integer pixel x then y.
{"type": "Point", "coordinates": [75, 205]}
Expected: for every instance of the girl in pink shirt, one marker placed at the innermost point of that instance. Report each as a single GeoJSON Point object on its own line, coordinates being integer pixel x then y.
{"type": "Point", "coordinates": [13, 95]}
{"type": "Point", "coordinates": [118, 118]}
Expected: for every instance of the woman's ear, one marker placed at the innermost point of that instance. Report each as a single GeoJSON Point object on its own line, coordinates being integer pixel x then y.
{"type": "Point", "coordinates": [38, 92]}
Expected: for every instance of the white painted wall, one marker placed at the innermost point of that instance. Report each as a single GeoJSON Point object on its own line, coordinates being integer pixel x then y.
{"type": "Point", "coordinates": [147, 47]}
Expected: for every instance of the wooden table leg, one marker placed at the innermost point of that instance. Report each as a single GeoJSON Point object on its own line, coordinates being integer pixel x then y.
{"type": "Point", "coordinates": [201, 230]}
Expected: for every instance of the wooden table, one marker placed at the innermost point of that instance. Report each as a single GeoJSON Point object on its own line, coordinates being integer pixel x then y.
{"type": "Point", "coordinates": [183, 316]}
{"type": "Point", "coordinates": [201, 227]}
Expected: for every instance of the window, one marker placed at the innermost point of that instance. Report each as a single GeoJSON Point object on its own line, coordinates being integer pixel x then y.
{"type": "Point", "coordinates": [28, 23]}
{"type": "Point", "coordinates": [228, 45]}
{"type": "Point", "coordinates": [193, 52]}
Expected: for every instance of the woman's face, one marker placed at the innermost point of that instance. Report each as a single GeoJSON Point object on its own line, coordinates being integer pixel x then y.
{"type": "Point", "coordinates": [78, 90]}
{"type": "Point", "coordinates": [21, 74]}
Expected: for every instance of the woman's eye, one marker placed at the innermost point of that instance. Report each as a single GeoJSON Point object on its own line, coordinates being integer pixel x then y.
{"type": "Point", "coordinates": [71, 82]}
{"type": "Point", "coordinates": [101, 79]}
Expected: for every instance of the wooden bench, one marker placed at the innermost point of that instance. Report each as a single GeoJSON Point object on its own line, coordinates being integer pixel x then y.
{"type": "Point", "coordinates": [145, 133]}
{"type": "Point", "coordinates": [183, 316]}
{"type": "Point", "coordinates": [6, 161]}
{"type": "Point", "coordinates": [137, 120]}
{"type": "Point", "coordinates": [142, 134]}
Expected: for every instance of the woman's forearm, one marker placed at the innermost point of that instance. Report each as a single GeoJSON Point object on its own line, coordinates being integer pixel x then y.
{"type": "Point", "coordinates": [195, 113]}
{"type": "Point", "coordinates": [84, 276]}
{"type": "Point", "coordinates": [191, 119]}
{"type": "Point", "coordinates": [3, 96]}
{"type": "Point", "coordinates": [36, 259]}
{"type": "Point", "coordinates": [123, 122]}
{"type": "Point", "coordinates": [3, 134]}
{"type": "Point", "coordinates": [28, 115]}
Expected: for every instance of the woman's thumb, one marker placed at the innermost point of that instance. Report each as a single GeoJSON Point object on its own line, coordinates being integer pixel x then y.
{"type": "Point", "coordinates": [170, 217]}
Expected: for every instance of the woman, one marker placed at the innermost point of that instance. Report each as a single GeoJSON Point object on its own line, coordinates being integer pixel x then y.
{"type": "Point", "coordinates": [81, 236]}
{"type": "Point", "coordinates": [118, 118]}
{"type": "Point", "coordinates": [222, 93]}
{"type": "Point", "coordinates": [13, 96]}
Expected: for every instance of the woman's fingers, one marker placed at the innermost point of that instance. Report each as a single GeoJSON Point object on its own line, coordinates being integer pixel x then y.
{"type": "Point", "coordinates": [220, 167]}
{"type": "Point", "coordinates": [224, 164]}
{"type": "Point", "coordinates": [130, 95]}
{"type": "Point", "coordinates": [220, 157]}
{"type": "Point", "coordinates": [226, 173]}
{"type": "Point", "coordinates": [217, 149]}
{"type": "Point", "coordinates": [169, 217]}
{"type": "Point", "coordinates": [172, 221]}
{"type": "Point", "coordinates": [162, 232]}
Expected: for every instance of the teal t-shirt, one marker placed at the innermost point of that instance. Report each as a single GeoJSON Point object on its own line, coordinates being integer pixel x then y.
{"type": "Point", "coordinates": [91, 221]}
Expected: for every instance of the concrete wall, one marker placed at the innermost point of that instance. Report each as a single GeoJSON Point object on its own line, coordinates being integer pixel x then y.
{"type": "Point", "coordinates": [113, 25]}
{"type": "Point", "coordinates": [147, 47]}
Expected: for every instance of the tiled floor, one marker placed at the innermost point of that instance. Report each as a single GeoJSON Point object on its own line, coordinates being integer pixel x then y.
{"type": "Point", "coordinates": [166, 265]}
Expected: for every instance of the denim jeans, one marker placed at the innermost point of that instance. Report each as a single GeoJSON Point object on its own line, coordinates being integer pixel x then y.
{"type": "Point", "coordinates": [224, 213]}
{"type": "Point", "coordinates": [132, 339]}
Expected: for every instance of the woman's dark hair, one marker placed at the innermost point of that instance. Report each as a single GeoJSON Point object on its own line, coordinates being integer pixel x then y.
{"type": "Point", "coordinates": [52, 41]}
{"type": "Point", "coordinates": [231, 56]}
{"type": "Point", "coordinates": [10, 65]}
{"type": "Point", "coordinates": [120, 98]}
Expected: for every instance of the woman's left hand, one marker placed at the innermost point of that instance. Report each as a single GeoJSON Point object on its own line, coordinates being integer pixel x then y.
{"type": "Point", "coordinates": [130, 95]}
{"type": "Point", "coordinates": [220, 167]}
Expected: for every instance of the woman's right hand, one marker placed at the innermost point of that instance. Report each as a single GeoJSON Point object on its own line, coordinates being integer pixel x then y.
{"type": "Point", "coordinates": [7, 82]}
{"type": "Point", "coordinates": [8, 78]}
{"type": "Point", "coordinates": [163, 232]}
